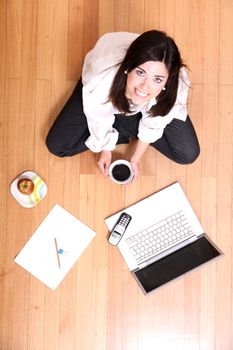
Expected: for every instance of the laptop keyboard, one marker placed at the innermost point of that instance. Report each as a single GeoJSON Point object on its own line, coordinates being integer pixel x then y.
{"type": "Point", "coordinates": [159, 237]}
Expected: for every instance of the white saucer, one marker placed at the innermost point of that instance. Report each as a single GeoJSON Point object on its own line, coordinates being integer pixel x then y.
{"type": "Point", "coordinates": [40, 190]}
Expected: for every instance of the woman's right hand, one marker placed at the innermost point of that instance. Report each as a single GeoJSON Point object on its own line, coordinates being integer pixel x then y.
{"type": "Point", "coordinates": [104, 162]}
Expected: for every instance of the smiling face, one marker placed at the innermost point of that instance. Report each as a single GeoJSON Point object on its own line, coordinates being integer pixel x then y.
{"type": "Point", "coordinates": [146, 81]}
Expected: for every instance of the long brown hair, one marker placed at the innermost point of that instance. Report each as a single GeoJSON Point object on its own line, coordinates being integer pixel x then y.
{"type": "Point", "coordinates": [152, 45]}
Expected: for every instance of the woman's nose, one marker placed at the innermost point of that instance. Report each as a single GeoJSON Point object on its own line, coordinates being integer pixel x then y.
{"type": "Point", "coordinates": [145, 84]}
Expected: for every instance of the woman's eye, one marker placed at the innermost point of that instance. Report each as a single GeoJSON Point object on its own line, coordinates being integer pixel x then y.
{"type": "Point", "coordinates": [158, 80]}
{"type": "Point", "coordinates": [140, 73]}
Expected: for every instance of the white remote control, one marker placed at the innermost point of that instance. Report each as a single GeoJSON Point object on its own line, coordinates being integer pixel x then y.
{"type": "Point", "coordinates": [119, 229]}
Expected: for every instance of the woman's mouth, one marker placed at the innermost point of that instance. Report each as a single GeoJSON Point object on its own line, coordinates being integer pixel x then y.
{"type": "Point", "coordinates": [141, 93]}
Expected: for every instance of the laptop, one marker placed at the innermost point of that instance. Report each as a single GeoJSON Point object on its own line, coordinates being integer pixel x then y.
{"type": "Point", "coordinates": [164, 239]}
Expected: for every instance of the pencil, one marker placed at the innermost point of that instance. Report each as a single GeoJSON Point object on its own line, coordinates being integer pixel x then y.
{"type": "Point", "coordinates": [58, 259]}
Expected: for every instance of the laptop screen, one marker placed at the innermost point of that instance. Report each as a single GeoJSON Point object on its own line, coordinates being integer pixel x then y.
{"type": "Point", "coordinates": [176, 264]}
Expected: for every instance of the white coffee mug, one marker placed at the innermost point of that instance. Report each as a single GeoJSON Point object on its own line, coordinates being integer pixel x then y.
{"type": "Point", "coordinates": [121, 172]}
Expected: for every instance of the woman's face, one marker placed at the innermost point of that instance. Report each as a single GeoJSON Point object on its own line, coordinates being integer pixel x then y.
{"type": "Point", "coordinates": [146, 81]}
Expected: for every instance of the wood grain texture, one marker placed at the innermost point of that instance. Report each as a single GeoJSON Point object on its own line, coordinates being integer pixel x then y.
{"type": "Point", "coordinates": [99, 306]}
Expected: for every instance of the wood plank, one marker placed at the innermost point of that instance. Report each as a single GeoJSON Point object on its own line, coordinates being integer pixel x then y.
{"type": "Point", "coordinates": [224, 217]}
{"type": "Point", "coordinates": [45, 39]}
{"type": "Point", "coordinates": [182, 25]}
{"type": "Point", "coordinates": [100, 260]}
{"type": "Point", "coordinates": [208, 273]}
{"type": "Point", "coordinates": [136, 16]}
{"type": "Point", "coordinates": [3, 29]}
{"type": "Point", "coordinates": [75, 39]}
{"type": "Point", "coordinates": [151, 14]}
{"type": "Point", "coordinates": [84, 297]}
{"type": "Point", "coordinates": [196, 41]}
{"type": "Point", "coordinates": [90, 24]}
{"type": "Point", "coordinates": [106, 16]}
{"type": "Point", "coordinates": [24, 145]}
{"type": "Point", "coordinates": [167, 16]}
{"type": "Point", "coordinates": [121, 22]}
{"type": "Point", "coordinates": [225, 48]}
{"type": "Point", "coordinates": [14, 33]}
{"type": "Point", "coordinates": [59, 42]}
{"type": "Point", "coordinates": [16, 231]}
{"type": "Point", "coordinates": [194, 170]}
{"type": "Point", "coordinates": [210, 97]}
{"type": "Point", "coordinates": [37, 290]}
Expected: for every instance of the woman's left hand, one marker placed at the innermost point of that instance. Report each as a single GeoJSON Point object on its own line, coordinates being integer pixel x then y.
{"type": "Point", "coordinates": [135, 167]}
{"type": "Point", "coordinates": [104, 161]}
{"type": "Point", "coordinates": [140, 149]}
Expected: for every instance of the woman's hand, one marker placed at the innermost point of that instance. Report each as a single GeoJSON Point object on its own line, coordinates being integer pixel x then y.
{"type": "Point", "coordinates": [135, 167]}
{"type": "Point", "coordinates": [104, 162]}
{"type": "Point", "coordinates": [140, 149]}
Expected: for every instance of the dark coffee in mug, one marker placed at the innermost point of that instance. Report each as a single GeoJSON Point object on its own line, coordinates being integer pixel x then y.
{"type": "Point", "coordinates": [121, 172]}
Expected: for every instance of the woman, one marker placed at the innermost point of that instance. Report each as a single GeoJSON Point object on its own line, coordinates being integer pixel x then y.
{"type": "Point", "coordinates": [133, 86]}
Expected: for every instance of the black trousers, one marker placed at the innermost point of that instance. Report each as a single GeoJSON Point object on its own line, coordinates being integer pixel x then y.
{"type": "Point", "coordinates": [69, 132]}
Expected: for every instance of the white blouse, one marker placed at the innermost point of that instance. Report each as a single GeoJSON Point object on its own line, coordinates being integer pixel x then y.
{"type": "Point", "coordinates": [99, 69]}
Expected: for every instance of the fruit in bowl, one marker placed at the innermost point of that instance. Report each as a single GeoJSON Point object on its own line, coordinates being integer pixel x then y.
{"type": "Point", "coordinates": [25, 186]}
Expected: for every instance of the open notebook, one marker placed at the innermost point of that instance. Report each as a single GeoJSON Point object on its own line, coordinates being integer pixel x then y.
{"type": "Point", "coordinates": [55, 246]}
{"type": "Point", "coordinates": [164, 239]}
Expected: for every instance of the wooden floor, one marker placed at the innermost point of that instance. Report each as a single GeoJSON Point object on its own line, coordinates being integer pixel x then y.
{"type": "Point", "coordinates": [99, 306]}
